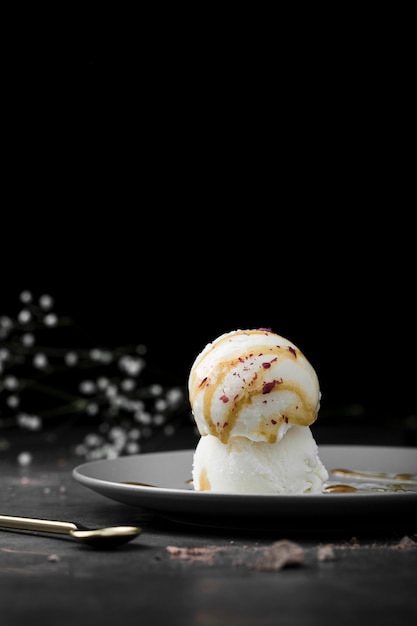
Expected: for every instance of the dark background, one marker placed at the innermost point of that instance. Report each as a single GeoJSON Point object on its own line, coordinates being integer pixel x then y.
{"type": "Point", "coordinates": [166, 188]}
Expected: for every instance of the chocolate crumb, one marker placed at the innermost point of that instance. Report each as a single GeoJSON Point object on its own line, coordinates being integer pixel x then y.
{"type": "Point", "coordinates": [205, 555]}
{"type": "Point", "coordinates": [279, 555]}
{"type": "Point", "coordinates": [326, 553]}
{"type": "Point", "coordinates": [406, 543]}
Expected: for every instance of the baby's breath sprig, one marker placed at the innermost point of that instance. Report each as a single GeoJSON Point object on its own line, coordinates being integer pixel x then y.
{"type": "Point", "coordinates": [40, 383]}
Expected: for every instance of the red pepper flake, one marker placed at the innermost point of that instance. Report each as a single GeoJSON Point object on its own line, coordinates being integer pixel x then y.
{"type": "Point", "coordinates": [265, 330]}
{"type": "Point", "coordinates": [285, 418]}
{"type": "Point", "coordinates": [273, 422]}
{"type": "Point", "coordinates": [225, 424]}
{"type": "Point", "coordinates": [268, 387]}
{"type": "Point", "coordinates": [293, 352]}
{"type": "Point", "coordinates": [224, 399]}
{"type": "Point", "coordinates": [266, 365]}
{"type": "Point", "coordinates": [202, 382]}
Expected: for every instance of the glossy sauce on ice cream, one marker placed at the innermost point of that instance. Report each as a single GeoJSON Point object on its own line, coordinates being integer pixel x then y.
{"type": "Point", "coordinates": [252, 383]}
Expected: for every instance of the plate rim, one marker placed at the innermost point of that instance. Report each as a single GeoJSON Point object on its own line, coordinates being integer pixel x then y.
{"type": "Point", "coordinates": [290, 513]}
{"type": "Point", "coordinates": [92, 482]}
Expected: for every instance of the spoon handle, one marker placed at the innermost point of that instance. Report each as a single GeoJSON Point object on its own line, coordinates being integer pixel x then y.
{"type": "Point", "coordinates": [45, 525]}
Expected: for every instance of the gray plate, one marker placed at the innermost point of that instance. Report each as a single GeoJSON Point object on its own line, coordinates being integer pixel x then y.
{"type": "Point", "coordinates": [379, 502]}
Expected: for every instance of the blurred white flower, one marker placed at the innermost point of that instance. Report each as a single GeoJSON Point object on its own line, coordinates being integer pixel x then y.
{"type": "Point", "coordinates": [71, 358]}
{"type": "Point", "coordinates": [43, 383]}
{"type": "Point", "coordinates": [24, 459]}
{"type": "Point", "coordinates": [25, 297]}
{"type": "Point", "coordinates": [46, 302]}
{"type": "Point", "coordinates": [28, 340]}
{"type": "Point", "coordinates": [40, 360]}
{"type": "Point", "coordinates": [50, 319]}
{"type": "Point", "coordinates": [24, 316]}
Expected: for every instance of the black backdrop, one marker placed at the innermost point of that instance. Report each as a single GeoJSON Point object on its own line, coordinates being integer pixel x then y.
{"type": "Point", "coordinates": [353, 320]}
{"type": "Point", "coordinates": [169, 198]}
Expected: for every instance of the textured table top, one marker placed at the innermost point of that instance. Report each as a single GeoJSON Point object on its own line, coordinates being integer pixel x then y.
{"type": "Point", "coordinates": [182, 574]}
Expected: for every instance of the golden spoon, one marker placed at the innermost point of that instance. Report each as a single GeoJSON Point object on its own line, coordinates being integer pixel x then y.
{"type": "Point", "coordinates": [109, 537]}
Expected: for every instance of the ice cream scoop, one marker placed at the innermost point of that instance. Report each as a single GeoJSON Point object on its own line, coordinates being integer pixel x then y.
{"type": "Point", "coordinates": [254, 384]}
{"type": "Point", "coordinates": [254, 395]}
{"type": "Point", "coordinates": [291, 465]}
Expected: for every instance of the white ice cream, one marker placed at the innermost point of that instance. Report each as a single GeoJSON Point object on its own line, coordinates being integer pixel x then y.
{"type": "Point", "coordinates": [290, 466]}
{"type": "Point", "coordinates": [251, 391]}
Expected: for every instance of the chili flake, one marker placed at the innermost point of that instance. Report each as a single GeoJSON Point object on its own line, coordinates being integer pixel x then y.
{"type": "Point", "coordinates": [268, 387]}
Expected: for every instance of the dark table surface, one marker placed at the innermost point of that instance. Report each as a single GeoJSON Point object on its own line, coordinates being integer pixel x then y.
{"type": "Point", "coordinates": [182, 574]}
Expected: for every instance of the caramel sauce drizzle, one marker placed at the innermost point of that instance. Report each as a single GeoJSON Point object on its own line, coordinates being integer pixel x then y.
{"type": "Point", "coordinates": [304, 414]}
{"type": "Point", "coordinates": [379, 481]}
{"type": "Point", "coordinates": [339, 488]}
{"type": "Point", "coordinates": [402, 482]}
{"type": "Point", "coordinates": [375, 475]}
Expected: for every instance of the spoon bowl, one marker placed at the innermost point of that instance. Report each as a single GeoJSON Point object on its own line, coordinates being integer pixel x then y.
{"type": "Point", "coordinates": [107, 537]}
